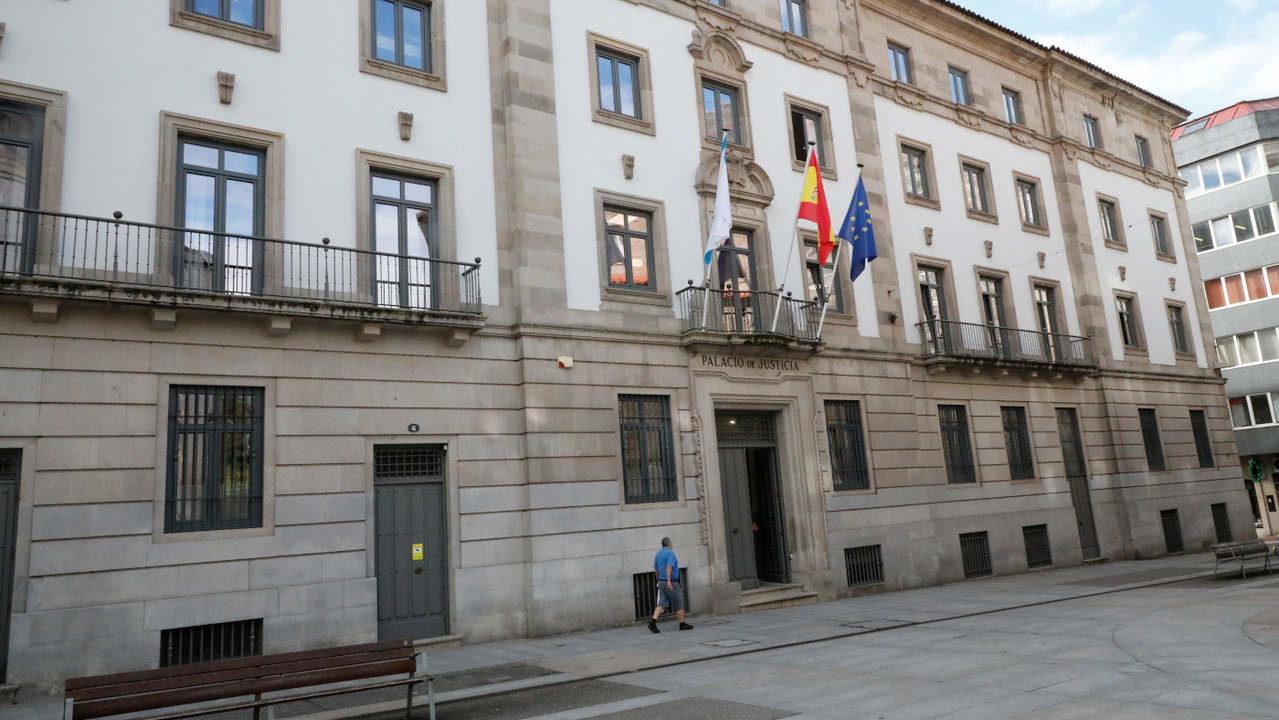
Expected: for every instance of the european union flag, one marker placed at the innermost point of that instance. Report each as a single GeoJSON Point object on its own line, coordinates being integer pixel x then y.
{"type": "Point", "coordinates": [858, 231]}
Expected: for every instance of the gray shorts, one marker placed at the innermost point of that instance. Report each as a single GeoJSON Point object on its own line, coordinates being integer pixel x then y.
{"type": "Point", "coordinates": [672, 599]}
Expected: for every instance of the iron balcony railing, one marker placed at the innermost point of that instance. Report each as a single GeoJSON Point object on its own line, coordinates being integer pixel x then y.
{"type": "Point", "coordinates": [751, 313]}
{"type": "Point", "coordinates": [947, 338]}
{"type": "Point", "coordinates": [40, 244]}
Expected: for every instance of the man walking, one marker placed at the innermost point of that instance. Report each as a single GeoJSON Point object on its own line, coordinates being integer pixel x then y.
{"type": "Point", "coordinates": [669, 596]}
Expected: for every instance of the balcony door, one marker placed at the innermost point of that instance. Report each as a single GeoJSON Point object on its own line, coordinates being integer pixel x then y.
{"type": "Point", "coordinates": [994, 314]}
{"type": "Point", "coordinates": [1046, 317]}
{"type": "Point", "coordinates": [933, 296]}
{"type": "Point", "coordinates": [404, 237]}
{"type": "Point", "coordinates": [737, 281]}
{"type": "Point", "coordinates": [21, 148]}
{"type": "Point", "coordinates": [220, 207]}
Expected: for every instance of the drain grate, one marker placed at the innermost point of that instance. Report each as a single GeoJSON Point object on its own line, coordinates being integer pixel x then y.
{"type": "Point", "coordinates": [730, 643]}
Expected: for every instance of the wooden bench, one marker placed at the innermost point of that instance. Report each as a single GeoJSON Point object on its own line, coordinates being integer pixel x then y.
{"type": "Point", "coordinates": [1241, 551]}
{"type": "Point", "coordinates": [246, 680]}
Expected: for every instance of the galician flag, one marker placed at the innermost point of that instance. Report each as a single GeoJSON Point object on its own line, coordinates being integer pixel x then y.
{"type": "Point", "coordinates": [813, 207]}
{"type": "Point", "coordinates": [722, 221]}
{"type": "Point", "coordinates": [858, 231]}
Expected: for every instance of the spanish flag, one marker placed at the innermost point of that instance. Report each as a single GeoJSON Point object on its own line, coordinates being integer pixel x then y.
{"type": "Point", "coordinates": [812, 207]}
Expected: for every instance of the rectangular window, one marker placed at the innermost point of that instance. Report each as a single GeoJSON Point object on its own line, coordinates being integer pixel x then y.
{"type": "Point", "coordinates": [1038, 549]}
{"type": "Point", "coordinates": [720, 113]}
{"type": "Point", "coordinates": [1012, 107]}
{"type": "Point", "coordinates": [1194, 184]}
{"type": "Point", "coordinates": [1129, 326]}
{"type": "Point", "coordinates": [1269, 342]}
{"type": "Point", "coordinates": [1177, 326]}
{"type": "Point", "coordinates": [1231, 170]}
{"type": "Point", "coordinates": [865, 565]}
{"type": "Point", "coordinates": [1159, 230]}
{"type": "Point", "coordinates": [1092, 131]}
{"type": "Point", "coordinates": [1203, 445]}
{"type": "Point", "coordinates": [648, 448]}
{"type": "Point", "coordinates": [1256, 281]}
{"type": "Point", "coordinates": [402, 33]}
{"type": "Point", "coordinates": [1271, 150]}
{"type": "Point", "coordinates": [1252, 161]}
{"type": "Point", "coordinates": [976, 195]}
{"type": "Point", "coordinates": [240, 12]}
{"type": "Point", "coordinates": [932, 295]}
{"type": "Point", "coordinates": [628, 237]}
{"type": "Point", "coordinates": [974, 551]}
{"type": "Point", "coordinates": [1150, 436]}
{"type": "Point", "coordinates": [818, 277]}
{"type": "Point", "coordinates": [1261, 411]}
{"type": "Point", "coordinates": [210, 643]}
{"type": "Point", "coordinates": [806, 128]}
{"type": "Point", "coordinates": [957, 448]}
{"type": "Point", "coordinates": [1028, 203]}
{"type": "Point", "coordinates": [214, 473]}
{"type": "Point", "coordinates": [847, 445]}
{"type": "Point", "coordinates": [1021, 464]}
{"type": "Point", "coordinates": [1143, 151]}
{"type": "Point", "coordinates": [915, 171]}
{"type": "Point", "coordinates": [1239, 416]}
{"type": "Point", "coordinates": [220, 202]}
{"type": "Point", "coordinates": [404, 236]}
{"type": "Point", "coordinates": [1264, 220]}
{"type": "Point", "coordinates": [959, 86]}
{"type": "Point", "coordinates": [1249, 349]}
{"type": "Point", "coordinates": [619, 85]}
{"type": "Point", "coordinates": [1227, 354]}
{"type": "Point", "coordinates": [1110, 222]}
{"type": "Point", "coordinates": [1242, 221]}
{"type": "Point", "coordinates": [795, 16]}
{"type": "Point", "coordinates": [1203, 236]}
{"type": "Point", "coordinates": [1216, 294]}
{"type": "Point", "coordinates": [899, 62]}
{"type": "Point", "coordinates": [1235, 290]}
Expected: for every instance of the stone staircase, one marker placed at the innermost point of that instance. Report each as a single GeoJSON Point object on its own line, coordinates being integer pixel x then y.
{"type": "Point", "coordinates": [770, 596]}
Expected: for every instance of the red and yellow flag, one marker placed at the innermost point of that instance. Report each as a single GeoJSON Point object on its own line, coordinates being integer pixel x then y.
{"type": "Point", "coordinates": [813, 207]}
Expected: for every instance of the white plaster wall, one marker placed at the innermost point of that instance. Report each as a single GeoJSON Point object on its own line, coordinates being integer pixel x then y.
{"type": "Point", "coordinates": [121, 69]}
{"type": "Point", "coordinates": [1146, 276]}
{"type": "Point", "coordinates": [666, 164]}
{"type": "Point", "coordinates": [960, 239]}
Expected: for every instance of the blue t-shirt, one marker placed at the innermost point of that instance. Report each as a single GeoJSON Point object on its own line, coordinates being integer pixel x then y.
{"type": "Point", "coordinates": [666, 557]}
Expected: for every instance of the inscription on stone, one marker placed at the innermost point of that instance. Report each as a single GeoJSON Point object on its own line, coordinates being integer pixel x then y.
{"type": "Point", "coordinates": [732, 363]}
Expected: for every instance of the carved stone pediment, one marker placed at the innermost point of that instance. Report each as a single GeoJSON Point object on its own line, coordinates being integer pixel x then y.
{"type": "Point", "coordinates": [717, 48]}
{"type": "Point", "coordinates": [747, 181]}
{"type": "Point", "coordinates": [908, 98]}
{"type": "Point", "coordinates": [801, 51]}
{"type": "Point", "coordinates": [1020, 137]}
{"type": "Point", "coordinates": [968, 117]}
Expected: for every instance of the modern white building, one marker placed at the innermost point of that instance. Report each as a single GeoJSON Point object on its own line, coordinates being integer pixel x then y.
{"type": "Point", "coordinates": [329, 321]}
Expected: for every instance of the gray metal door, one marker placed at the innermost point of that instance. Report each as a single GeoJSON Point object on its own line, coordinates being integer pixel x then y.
{"type": "Point", "coordinates": [411, 547]}
{"type": "Point", "coordinates": [10, 462]}
{"type": "Point", "coordinates": [1072, 451]}
{"type": "Point", "coordinates": [734, 483]}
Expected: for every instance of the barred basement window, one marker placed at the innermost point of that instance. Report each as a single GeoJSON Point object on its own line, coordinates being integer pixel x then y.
{"type": "Point", "coordinates": [957, 450]}
{"type": "Point", "coordinates": [865, 565]}
{"type": "Point", "coordinates": [1172, 530]}
{"type": "Point", "coordinates": [214, 479]}
{"type": "Point", "coordinates": [207, 643]}
{"type": "Point", "coordinates": [847, 445]}
{"type": "Point", "coordinates": [1221, 523]}
{"type": "Point", "coordinates": [1203, 445]}
{"type": "Point", "coordinates": [648, 451]}
{"type": "Point", "coordinates": [1150, 435]}
{"type": "Point", "coordinates": [645, 587]}
{"type": "Point", "coordinates": [1021, 465]}
{"type": "Point", "coordinates": [974, 550]}
{"type": "Point", "coordinates": [1038, 551]}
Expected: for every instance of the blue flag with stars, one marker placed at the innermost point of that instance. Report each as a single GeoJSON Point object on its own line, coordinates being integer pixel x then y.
{"type": "Point", "coordinates": [858, 231]}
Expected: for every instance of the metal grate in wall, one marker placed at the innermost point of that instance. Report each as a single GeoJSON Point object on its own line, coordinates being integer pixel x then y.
{"type": "Point", "coordinates": [865, 565]}
{"type": "Point", "coordinates": [1038, 551]}
{"type": "Point", "coordinates": [744, 428]}
{"type": "Point", "coordinates": [408, 461]}
{"type": "Point", "coordinates": [206, 643]}
{"type": "Point", "coordinates": [645, 585]}
{"type": "Point", "coordinates": [974, 548]}
{"type": "Point", "coordinates": [1172, 530]}
{"type": "Point", "coordinates": [1221, 523]}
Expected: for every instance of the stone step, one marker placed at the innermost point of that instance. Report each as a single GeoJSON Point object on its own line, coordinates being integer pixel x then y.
{"type": "Point", "coordinates": [773, 601]}
{"type": "Point", "coordinates": [771, 588]}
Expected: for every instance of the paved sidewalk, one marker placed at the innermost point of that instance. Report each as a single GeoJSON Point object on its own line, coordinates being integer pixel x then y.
{"type": "Point", "coordinates": [492, 668]}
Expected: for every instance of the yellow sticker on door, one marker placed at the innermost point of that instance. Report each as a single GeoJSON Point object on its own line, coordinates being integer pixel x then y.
{"type": "Point", "coordinates": [417, 551]}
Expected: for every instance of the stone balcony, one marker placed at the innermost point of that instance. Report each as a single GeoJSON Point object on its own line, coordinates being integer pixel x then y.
{"type": "Point", "coordinates": [760, 319]}
{"type": "Point", "coordinates": [947, 343]}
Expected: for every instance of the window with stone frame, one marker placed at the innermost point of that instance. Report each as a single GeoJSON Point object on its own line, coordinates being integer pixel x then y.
{"type": "Point", "coordinates": [618, 83]}
{"type": "Point", "coordinates": [1177, 328]}
{"type": "Point", "coordinates": [648, 449]}
{"type": "Point", "coordinates": [629, 244]}
{"type": "Point", "coordinates": [404, 40]}
{"type": "Point", "coordinates": [1143, 151]}
{"type": "Point", "coordinates": [957, 449]}
{"type": "Point", "coordinates": [1021, 463]}
{"type": "Point", "coordinates": [850, 469]}
{"type": "Point", "coordinates": [252, 22]}
{"type": "Point", "coordinates": [794, 16]}
{"type": "Point", "coordinates": [959, 93]}
{"type": "Point", "coordinates": [1150, 438]}
{"type": "Point", "coordinates": [978, 197]}
{"type": "Point", "coordinates": [1203, 443]}
{"type": "Point", "coordinates": [1030, 204]}
{"type": "Point", "coordinates": [1163, 239]}
{"type": "Point", "coordinates": [1012, 107]}
{"type": "Point", "coordinates": [213, 477]}
{"type": "Point", "coordinates": [1092, 131]}
{"type": "Point", "coordinates": [819, 277]}
{"type": "Point", "coordinates": [1111, 225]}
{"type": "Point", "coordinates": [240, 12]}
{"type": "Point", "coordinates": [1129, 321]}
{"type": "Point", "coordinates": [721, 111]}
{"type": "Point", "coordinates": [899, 63]}
{"type": "Point", "coordinates": [915, 171]}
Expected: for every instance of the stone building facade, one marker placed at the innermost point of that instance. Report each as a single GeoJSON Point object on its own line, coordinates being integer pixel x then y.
{"type": "Point", "coordinates": [1230, 161]}
{"type": "Point", "coordinates": [371, 352]}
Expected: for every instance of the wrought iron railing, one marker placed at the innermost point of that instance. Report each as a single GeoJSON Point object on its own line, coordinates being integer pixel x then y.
{"type": "Point", "coordinates": [754, 312]}
{"type": "Point", "coordinates": [973, 340]}
{"type": "Point", "coordinates": [40, 244]}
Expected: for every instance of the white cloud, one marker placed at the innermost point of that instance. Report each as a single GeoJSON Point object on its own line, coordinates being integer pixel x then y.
{"type": "Point", "coordinates": [1067, 8]}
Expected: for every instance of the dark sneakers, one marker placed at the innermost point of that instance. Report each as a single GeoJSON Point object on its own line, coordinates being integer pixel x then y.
{"type": "Point", "coordinates": [652, 626]}
{"type": "Point", "coordinates": [682, 626]}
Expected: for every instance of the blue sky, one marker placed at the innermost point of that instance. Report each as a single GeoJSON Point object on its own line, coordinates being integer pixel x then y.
{"type": "Point", "coordinates": [1200, 54]}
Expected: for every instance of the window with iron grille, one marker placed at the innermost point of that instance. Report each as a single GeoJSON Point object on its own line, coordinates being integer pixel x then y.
{"type": "Point", "coordinates": [1172, 530]}
{"type": "Point", "coordinates": [1150, 435]}
{"type": "Point", "coordinates": [1221, 523]}
{"type": "Point", "coordinates": [1199, 425]}
{"type": "Point", "coordinates": [648, 454]}
{"type": "Point", "coordinates": [645, 587]}
{"type": "Point", "coordinates": [1021, 464]}
{"type": "Point", "coordinates": [847, 445]}
{"type": "Point", "coordinates": [974, 550]}
{"type": "Point", "coordinates": [214, 479]}
{"type": "Point", "coordinates": [865, 565]}
{"type": "Point", "coordinates": [957, 449]}
{"type": "Point", "coordinates": [1038, 551]}
{"type": "Point", "coordinates": [207, 643]}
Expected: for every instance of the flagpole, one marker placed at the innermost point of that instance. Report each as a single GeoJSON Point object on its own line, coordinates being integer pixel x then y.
{"type": "Point", "coordinates": [830, 282]}
{"type": "Point", "coordinates": [781, 286]}
{"type": "Point", "coordinates": [706, 281]}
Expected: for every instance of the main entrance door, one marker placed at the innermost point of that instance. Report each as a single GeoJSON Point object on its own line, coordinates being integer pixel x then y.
{"type": "Point", "coordinates": [753, 520]}
{"type": "Point", "coordinates": [410, 549]}
{"type": "Point", "coordinates": [10, 462]}
{"type": "Point", "coordinates": [1072, 450]}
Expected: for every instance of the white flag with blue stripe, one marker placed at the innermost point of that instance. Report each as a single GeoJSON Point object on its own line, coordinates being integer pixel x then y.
{"type": "Point", "coordinates": [722, 221]}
